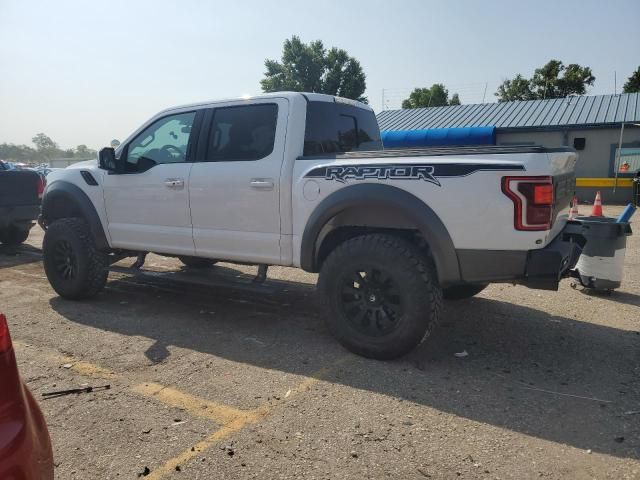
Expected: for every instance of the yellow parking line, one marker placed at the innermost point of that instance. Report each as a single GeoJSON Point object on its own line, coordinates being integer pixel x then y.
{"type": "Point", "coordinates": [83, 368]}
{"type": "Point", "coordinates": [231, 419]}
{"type": "Point", "coordinates": [211, 440]}
{"type": "Point", "coordinates": [196, 406]}
{"type": "Point", "coordinates": [251, 416]}
{"type": "Point", "coordinates": [90, 370]}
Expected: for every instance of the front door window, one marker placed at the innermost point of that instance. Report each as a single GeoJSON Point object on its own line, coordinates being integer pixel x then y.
{"type": "Point", "coordinates": [164, 141]}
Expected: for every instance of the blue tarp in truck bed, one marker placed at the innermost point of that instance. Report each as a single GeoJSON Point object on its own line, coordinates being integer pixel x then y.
{"type": "Point", "coordinates": [438, 137]}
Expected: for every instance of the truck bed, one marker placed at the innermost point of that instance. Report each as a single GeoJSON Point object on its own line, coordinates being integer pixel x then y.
{"type": "Point", "coordinates": [441, 151]}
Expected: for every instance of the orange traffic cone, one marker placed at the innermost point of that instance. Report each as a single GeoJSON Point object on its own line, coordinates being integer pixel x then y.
{"type": "Point", "coordinates": [573, 212]}
{"type": "Point", "coordinates": [597, 206]}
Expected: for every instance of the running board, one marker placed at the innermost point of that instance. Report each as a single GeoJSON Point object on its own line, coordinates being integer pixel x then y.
{"type": "Point", "coordinates": [204, 277]}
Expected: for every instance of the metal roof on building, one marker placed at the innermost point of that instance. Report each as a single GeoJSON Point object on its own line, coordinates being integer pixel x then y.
{"type": "Point", "coordinates": [586, 111]}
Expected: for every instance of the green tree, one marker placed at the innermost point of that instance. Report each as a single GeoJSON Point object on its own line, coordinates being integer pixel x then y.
{"type": "Point", "coordinates": [516, 89]}
{"type": "Point", "coordinates": [18, 153]}
{"type": "Point", "coordinates": [45, 149]}
{"type": "Point", "coordinates": [547, 82]}
{"type": "Point", "coordinates": [44, 144]}
{"type": "Point", "coordinates": [311, 68]}
{"type": "Point", "coordinates": [553, 80]}
{"type": "Point", "coordinates": [435, 96]}
{"type": "Point", "coordinates": [633, 82]}
{"type": "Point", "coordinates": [82, 151]}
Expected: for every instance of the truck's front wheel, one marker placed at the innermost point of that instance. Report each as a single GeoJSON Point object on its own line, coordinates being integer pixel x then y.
{"type": "Point", "coordinates": [75, 268]}
{"type": "Point", "coordinates": [382, 293]}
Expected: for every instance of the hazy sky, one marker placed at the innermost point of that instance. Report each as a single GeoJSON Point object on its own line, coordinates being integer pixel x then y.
{"type": "Point", "coordinates": [87, 72]}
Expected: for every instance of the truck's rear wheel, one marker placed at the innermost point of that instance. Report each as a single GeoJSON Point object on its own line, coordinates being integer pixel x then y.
{"type": "Point", "coordinates": [382, 293]}
{"type": "Point", "coordinates": [460, 292]}
{"type": "Point", "coordinates": [197, 262]}
{"type": "Point", "coordinates": [14, 235]}
{"type": "Point", "coordinates": [75, 268]}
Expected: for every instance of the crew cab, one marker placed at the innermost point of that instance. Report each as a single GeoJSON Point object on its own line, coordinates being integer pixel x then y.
{"type": "Point", "coordinates": [302, 180]}
{"type": "Point", "coordinates": [20, 195]}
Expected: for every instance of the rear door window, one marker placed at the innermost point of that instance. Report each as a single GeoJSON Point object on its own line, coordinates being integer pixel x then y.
{"type": "Point", "coordinates": [242, 133]}
{"type": "Point", "coordinates": [335, 128]}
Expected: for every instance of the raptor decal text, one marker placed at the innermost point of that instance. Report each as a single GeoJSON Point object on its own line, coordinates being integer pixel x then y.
{"type": "Point", "coordinates": [411, 171]}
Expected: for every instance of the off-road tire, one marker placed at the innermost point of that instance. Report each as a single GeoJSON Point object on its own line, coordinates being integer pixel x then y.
{"type": "Point", "coordinates": [413, 292]}
{"type": "Point", "coordinates": [14, 235]}
{"type": "Point", "coordinates": [89, 265]}
{"type": "Point", "coordinates": [197, 262]}
{"type": "Point", "coordinates": [462, 292]}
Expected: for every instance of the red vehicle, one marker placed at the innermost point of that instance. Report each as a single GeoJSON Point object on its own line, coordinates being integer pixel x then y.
{"type": "Point", "coordinates": [25, 446]}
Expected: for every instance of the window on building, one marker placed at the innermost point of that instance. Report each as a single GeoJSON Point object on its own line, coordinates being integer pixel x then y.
{"type": "Point", "coordinates": [628, 160]}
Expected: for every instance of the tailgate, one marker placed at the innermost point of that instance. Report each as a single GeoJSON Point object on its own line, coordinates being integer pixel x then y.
{"type": "Point", "coordinates": [563, 171]}
{"type": "Point", "coordinates": [19, 187]}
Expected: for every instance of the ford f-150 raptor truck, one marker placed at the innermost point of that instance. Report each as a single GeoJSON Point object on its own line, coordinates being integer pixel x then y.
{"type": "Point", "coordinates": [303, 180]}
{"type": "Point", "coordinates": [20, 194]}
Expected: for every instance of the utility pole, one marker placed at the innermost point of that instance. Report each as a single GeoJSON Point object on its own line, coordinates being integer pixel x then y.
{"type": "Point", "coordinates": [382, 106]}
{"type": "Point", "coordinates": [615, 82]}
{"type": "Point", "coordinates": [617, 164]}
{"type": "Point", "coordinates": [485, 91]}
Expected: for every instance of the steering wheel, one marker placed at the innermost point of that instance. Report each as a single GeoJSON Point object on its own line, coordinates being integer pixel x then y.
{"type": "Point", "coordinates": [168, 148]}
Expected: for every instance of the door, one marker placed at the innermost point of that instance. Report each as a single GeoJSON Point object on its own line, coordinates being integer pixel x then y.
{"type": "Point", "coordinates": [147, 205]}
{"type": "Point", "coordinates": [235, 182]}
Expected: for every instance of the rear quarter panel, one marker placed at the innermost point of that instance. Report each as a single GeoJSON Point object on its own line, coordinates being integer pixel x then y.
{"type": "Point", "coordinates": [472, 206]}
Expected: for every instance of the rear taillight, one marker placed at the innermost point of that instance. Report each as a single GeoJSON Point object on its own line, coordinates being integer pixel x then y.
{"type": "Point", "coordinates": [5, 338]}
{"type": "Point", "coordinates": [532, 200]}
{"type": "Point", "coordinates": [40, 187]}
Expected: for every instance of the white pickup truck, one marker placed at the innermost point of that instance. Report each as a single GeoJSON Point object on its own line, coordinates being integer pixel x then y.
{"type": "Point", "coordinates": [302, 180]}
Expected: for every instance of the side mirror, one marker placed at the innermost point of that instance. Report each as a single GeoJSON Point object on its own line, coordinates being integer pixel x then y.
{"type": "Point", "coordinates": [107, 159]}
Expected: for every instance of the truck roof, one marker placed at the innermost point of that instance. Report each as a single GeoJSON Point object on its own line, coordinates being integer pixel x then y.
{"type": "Point", "coordinates": [314, 97]}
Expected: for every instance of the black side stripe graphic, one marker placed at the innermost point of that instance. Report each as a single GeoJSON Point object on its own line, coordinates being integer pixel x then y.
{"type": "Point", "coordinates": [410, 171]}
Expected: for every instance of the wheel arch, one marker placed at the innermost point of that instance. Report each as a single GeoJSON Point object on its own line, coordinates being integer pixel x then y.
{"type": "Point", "coordinates": [378, 207]}
{"type": "Point", "coordinates": [65, 200]}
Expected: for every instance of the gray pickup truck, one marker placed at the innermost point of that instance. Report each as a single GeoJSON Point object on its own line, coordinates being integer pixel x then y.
{"type": "Point", "coordinates": [20, 197]}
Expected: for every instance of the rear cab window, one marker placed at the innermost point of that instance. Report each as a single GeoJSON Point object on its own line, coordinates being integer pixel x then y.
{"type": "Point", "coordinates": [339, 127]}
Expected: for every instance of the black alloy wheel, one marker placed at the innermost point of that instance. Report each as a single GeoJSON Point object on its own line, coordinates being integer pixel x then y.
{"type": "Point", "coordinates": [371, 301]}
{"type": "Point", "coordinates": [65, 260]}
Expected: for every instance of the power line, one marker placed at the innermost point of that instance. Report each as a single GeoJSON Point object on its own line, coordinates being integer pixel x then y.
{"type": "Point", "coordinates": [469, 93]}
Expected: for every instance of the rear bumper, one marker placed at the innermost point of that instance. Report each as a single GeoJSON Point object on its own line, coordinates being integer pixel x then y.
{"type": "Point", "coordinates": [18, 214]}
{"type": "Point", "coordinates": [540, 269]}
{"type": "Point", "coordinates": [547, 266]}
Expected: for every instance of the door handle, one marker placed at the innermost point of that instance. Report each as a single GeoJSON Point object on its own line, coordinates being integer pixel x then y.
{"type": "Point", "coordinates": [177, 183]}
{"type": "Point", "coordinates": [262, 183]}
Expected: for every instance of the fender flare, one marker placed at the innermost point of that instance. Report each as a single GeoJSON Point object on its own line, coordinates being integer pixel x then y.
{"type": "Point", "coordinates": [374, 196]}
{"type": "Point", "coordinates": [61, 195]}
